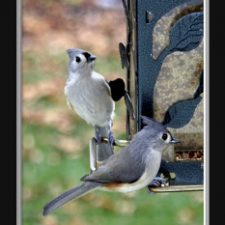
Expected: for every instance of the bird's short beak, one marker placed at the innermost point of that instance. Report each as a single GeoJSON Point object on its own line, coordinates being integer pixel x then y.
{"type": "Point", "coordinates": [91, 58]}
{"type": "Point", "coordinates": [174, 141]}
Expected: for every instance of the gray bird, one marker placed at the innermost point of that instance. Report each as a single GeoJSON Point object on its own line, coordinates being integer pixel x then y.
{"type": "Point", "coordinates": [89, 95]}
{"type": "Point", "coordinates": [132, 168]}
{"type": "Point", "coordinates": [92, 97]}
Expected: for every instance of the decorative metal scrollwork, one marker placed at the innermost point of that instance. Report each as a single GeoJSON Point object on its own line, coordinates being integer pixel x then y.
{"type": "Point", "coordinates": [164, 62]}
{"type": "Point", "coordinates": [179, 85]}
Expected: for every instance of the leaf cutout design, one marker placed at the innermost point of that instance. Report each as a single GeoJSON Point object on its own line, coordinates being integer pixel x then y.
{"type": "Point", "coordinates": [181, 112]}
{"type": "Point", "coordinates": [117, 88]}
{"type": "Point", "coordinates": [187, 33]}
{"type": "Point", "coordinates": [123, 55]}
{"type": "Point", "coordinates": [160, 34]}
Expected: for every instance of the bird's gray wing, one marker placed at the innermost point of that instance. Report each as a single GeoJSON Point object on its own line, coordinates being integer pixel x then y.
{"type": "Point", "coordinates": [117, 169]}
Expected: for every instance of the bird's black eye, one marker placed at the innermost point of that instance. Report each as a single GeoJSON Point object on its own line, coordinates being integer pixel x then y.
{"type": "Point", "coordinates": [164, 136]}
{"type": "Point", "coordinates": [78, 59]}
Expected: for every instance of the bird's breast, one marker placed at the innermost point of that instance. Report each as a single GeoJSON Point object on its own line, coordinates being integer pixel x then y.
{"type": "Point", "coordinates": [92, 103]}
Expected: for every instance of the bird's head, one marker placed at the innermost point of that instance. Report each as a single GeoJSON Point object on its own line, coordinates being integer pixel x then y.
{"type": "Point", "coordinates": [158, 136]}
{"type": "Point", "coordinates": [80, 60]}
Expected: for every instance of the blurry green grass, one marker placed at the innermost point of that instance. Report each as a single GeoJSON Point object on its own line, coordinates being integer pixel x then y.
{"type": "Point", "coordinates": [48, 170]}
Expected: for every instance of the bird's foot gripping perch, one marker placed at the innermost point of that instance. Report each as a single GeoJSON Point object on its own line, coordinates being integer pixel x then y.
{"type": "Point", "coordinates": [104, 135]}
{"type": "Point", "coordinates": [158, 182]}
{"type": "Point", "coordinates": [111, 139]}
{"type": "Point", "coordinates": [102, 146]}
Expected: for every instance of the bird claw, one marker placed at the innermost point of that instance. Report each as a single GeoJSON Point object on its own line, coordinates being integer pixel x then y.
{"type": "Point", "coordinates": [100, 139]}
{"type": "Point", "coordinates": [159, 182]}
{"type": "Point", "coordinates": [98, 136]}
{"type": "Point", "coordinates": [111, 138]}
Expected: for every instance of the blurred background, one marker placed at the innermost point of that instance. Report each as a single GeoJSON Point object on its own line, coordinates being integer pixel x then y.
{"type": "Point", "coordinates": [55, 140]}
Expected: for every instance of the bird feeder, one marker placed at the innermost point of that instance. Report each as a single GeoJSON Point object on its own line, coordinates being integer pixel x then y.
{"type": "Point", "coordinates": [163, 58]}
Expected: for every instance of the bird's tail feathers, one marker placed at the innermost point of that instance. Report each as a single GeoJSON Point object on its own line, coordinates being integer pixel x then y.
{"type": "Point", "coordinates": [67, 196]}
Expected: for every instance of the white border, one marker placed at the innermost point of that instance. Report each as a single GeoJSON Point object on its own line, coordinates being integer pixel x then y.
{"type": "Point", "coordinates": [18, 111]}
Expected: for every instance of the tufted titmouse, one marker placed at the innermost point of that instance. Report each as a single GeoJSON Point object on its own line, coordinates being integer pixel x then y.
{"type": "Point", "coordinates": [130, 169]}
{"type": "Point", "coordinates": [92, 97]}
